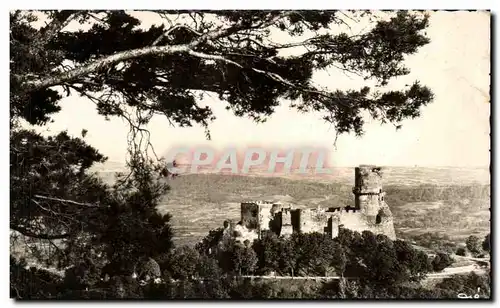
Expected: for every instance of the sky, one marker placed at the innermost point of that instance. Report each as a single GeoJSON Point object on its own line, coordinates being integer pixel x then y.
{"type": "Point", "coordinates": [452, 131]}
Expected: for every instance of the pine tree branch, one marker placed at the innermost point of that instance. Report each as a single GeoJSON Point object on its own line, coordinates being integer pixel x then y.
{"type": "Point", "coordinates": [33, 85]}
{"type": "Point", "coordinates": [65, 201]}
{"type": "Point", "coordinates": [271, 75]}
{"type": "Point", "coordinates": [158, 40]}
{"type": "Point", "coordinates": [60, 20]}
{"type": "Point", "coordinates": [42, 236]}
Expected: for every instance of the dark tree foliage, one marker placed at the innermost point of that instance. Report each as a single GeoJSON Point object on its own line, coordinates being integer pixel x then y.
{"type": "Point", "coordinates": [55, 198]}
{"type": "Point", "coordinates": [244, 259]}
{"type": "Point", "coordinates": [222, 288]}
{"type": "Point", "coordinates": [374, 259]}
{"type": "Point", "coordinates": [351, 243]}
{"type": "Point", "coordinates": [229, 53]}
{"type": "Point", "coordinates": [32, 283]}
{"type": "Point", "coordinates": [135, 229]}
{"type": "Point", "coordinates": [38, 167]}
{"type": "Point", "coordinates": [182, 263]}
{"type": "Point", "coordinates": [191, 289]}
{"type": "Point", "coordinates": [441, 261]}
{"type": "Point", "coordinates": [377, 260]}
{"type": "Point", "coordinates": [486, 243]}
{"type": "Point", "coordinates": [124, 287]}
{"type": "Point", "coordinates": [449, 288]}
{"type": "Point", "coordinates": [461, 251]}
{"type": "Point", "coordinates": [313, 253]}
{"type": "Point", "coordinates": [208, 267]}
{"type": "Point", "coordinates": [246, 289]}
{"type": "Point", "coordinates": [210, 242]}
{"type": "Point", "coordinates": [415, 264]}
{"type": "Point", "coordinates": [287, 258]}
{"type": "Point", "coordinates": [134, 72]}
{"type": "Point", "coordinates": [84, 274]}
{"type": "Point", "coordinates": [473, 244]}
{"type": "Point", "coordinates": [468, 284]}
{"type": "Point", "coordinates": [236, 258]}
{"type": "Point", "coordinates": [267, 249]}
{"type": "Point", "coordinates": [404, 292]}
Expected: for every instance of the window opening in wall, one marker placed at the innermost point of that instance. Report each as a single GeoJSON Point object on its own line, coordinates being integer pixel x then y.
{"type": "Point", "coordinates": [378, 219]}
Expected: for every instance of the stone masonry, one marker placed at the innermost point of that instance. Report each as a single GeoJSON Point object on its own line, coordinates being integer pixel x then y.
{"type": "Point", "coordinates": [369, 213]}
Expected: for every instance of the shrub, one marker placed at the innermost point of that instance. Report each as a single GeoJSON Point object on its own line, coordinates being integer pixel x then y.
{"type": "Point", "coordinates": [473, 244]}
{"type": "Point", "coordinates": [461, 251]}
{"type": "Point", "coordinates": [441, 261]}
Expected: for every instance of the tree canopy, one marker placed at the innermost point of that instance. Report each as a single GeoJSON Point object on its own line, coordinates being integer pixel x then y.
{"type": "Point", "coordinates": [486, 243]}
{"type": "Point", "coordinates": [164, 68]}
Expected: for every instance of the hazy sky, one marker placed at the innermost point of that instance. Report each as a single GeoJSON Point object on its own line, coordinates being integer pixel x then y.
{"type": "Point", "coordinates": [452, 131]}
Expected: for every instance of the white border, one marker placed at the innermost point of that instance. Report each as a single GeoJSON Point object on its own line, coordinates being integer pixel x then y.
{"type": "Point", "coordinates": [200, 4]}
{"type": "Point", "coordinates": [259, 4]}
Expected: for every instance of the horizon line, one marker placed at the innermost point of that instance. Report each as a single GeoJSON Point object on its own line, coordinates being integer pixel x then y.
{"type": "Point", "coordinates": [340, 166]}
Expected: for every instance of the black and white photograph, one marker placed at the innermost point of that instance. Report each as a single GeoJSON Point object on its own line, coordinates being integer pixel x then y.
{"type": "Point", "coordinates": [216, 154]}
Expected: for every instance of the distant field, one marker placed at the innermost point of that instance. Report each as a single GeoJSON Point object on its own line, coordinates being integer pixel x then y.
{"type": "Point", "coordinates": [449, 201]}
{"type": "Point", "coordinates": [400, 176]}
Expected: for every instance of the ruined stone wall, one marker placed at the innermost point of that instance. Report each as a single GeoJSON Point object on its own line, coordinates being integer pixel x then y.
{"type": "Point", "coordinates": [386, 224]}
{"type": "Point", "coordinates": [241, 234]}
{"type": "Point", "coordinates": [267, 214]}
{"type": "Point", "coordinates": [354, 221]}
{"type": "Point", "coordinates": [236, 233]}
{"type": "Point", "coordinates": [313, 220]}
{"type": "Point", "coordinates": [370, 212]}
{"type": "Point", "coordinates": [333, 226]}
{"type": "Point", "coordinates": [357, 221]}
{"type": "Point", "coordinates": [368, 179]}
{"type": "Point", "coordinates": [257, 217]}
{"type": "Point", "coordinates": [368, 204]}
{"type": "Point", "coordinates": [295, 217]}
{"type": "Point", "coordinates": [286, 223]}
{"type": "Point", "coordinates": [261, 215]}
{"type": "Point", "coordinates": [250, 215]}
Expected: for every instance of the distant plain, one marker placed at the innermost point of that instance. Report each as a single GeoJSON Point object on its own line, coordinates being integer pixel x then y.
{"type": "Point", "coordinates": [447, 202]}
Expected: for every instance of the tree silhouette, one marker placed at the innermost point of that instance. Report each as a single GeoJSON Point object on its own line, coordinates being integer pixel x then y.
{"type": "Point", "coordinates": [183, 263]}
{"type": "Point", "coordinates": [486, 243]}
{"type": "Point", "coordinates": [229, 53]}
{"type": "Point", "coordinates": [473, 244]}
{"type": "Point", "coordinates": [441, 261]}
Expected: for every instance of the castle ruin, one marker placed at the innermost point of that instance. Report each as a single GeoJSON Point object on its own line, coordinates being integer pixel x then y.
{"type": "Point", "coordinates": [370, 212]}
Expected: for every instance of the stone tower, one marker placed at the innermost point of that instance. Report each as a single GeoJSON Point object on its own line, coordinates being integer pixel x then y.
{"type": "Point", "coordinates": [370, 213]}
{"type": "Point", "coordinates": [368, 194]}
